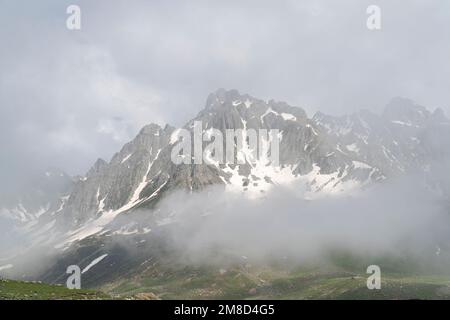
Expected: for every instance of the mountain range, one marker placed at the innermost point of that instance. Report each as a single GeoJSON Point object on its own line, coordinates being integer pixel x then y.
{"type": "Point", "coordinates": [322, 156]}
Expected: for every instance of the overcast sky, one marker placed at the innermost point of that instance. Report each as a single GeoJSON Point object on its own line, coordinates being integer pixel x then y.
{"type": "Point", "coordinates": [69, 97]}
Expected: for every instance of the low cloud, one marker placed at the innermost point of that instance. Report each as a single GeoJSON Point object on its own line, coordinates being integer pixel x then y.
{"type": "Point", "coordinates": [400, 218]}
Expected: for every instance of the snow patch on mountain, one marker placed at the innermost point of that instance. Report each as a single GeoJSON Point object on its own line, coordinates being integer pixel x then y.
{"type": "Point", "coordinates": [94, 262]}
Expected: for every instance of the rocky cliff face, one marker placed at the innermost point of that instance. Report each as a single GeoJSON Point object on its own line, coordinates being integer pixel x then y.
{"type": "Point", "coordinates": [323, 154]}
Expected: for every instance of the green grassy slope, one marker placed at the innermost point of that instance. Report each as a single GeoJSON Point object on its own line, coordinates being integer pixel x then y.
{"type": "Point", "coordinates": [18, 290]}
{"type": "Point", "coordinates": [265, 283]}
{"type": "Point", "coordinates": [341, 277]}
{"type": "Point", "coordinates": [270, 283]}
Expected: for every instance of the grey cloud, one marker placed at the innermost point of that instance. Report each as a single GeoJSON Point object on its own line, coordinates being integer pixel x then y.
{"type": "Point", "coordinates": [67, 98]}
{"type": "Point", "coordinates": [397, 218]}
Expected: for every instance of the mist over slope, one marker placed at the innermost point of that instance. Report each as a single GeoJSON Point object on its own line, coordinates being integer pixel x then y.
{"type": "Point", "coordinates": [370, 184]}
{"type": "Point", "coordinates": [400, 217]}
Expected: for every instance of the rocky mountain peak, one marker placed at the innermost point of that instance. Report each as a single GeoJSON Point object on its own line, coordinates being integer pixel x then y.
{"type": "Point", "coordinates": [405, 111]}
{"type": "Point", "coordinates": [150, 129]}
{"type": "Point", "coordinates": [221, 97]}
{"type": "Point", "coordinates": [98, 167]}
{"type": "Point", "coordinates": [439, 116]}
